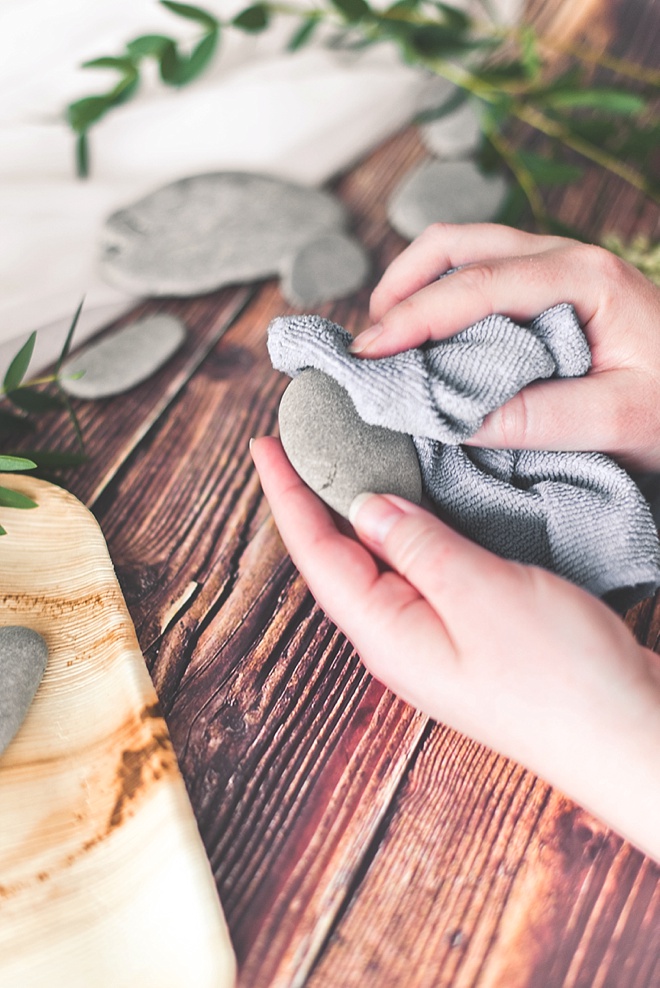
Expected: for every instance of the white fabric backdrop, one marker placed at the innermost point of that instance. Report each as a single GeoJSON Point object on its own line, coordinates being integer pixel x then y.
{"type": "Point", "coordinates": [304, 117]}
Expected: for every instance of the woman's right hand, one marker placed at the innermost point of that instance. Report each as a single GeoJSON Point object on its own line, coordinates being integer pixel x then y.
{"type": "Point", "coordinates": [614, 409]}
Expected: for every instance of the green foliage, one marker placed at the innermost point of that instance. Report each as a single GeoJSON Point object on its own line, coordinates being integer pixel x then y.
{"type": "Point", "coordinates": [505, 69]}
{"type": "Point", "coordinates": [28, 398]}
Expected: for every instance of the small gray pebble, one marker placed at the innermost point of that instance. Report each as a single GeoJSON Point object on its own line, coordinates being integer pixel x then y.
{"type": "Point", "coordinates": [323, 270]}
{"type": "Point", "coordinates": [445, 191]}
{"type": "Point", "coordinates": [455, 135]}
{"type": "Point", "coordinates": [23, 656]}
{"type": "Point", "coordinates": [124, 358]}
{"type": "Point", "coordinates": [200, 233]}
{"type": "Point", "coordinates": [336, 452]}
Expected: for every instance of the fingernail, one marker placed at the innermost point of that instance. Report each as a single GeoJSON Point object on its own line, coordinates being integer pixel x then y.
{"type": "Point", "coordinates": [372, 516]}
{"type": "Point", "coordinates": [250, 444]}
{"type": "Point", "coordinates": [365, 339]}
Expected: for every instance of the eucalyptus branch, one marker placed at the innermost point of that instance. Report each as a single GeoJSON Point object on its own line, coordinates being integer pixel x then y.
{"type": "Point", "coordinates": [25, 397]}
{"type": "Point", "coordinates": [503, 68]}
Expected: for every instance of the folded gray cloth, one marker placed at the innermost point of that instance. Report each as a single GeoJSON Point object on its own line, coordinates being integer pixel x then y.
{"type": "Point", "coordinates": [577, 514]}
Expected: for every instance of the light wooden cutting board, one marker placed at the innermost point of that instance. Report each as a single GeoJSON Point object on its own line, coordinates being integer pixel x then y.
{"type": "Point", "coordinates": [103, 876]}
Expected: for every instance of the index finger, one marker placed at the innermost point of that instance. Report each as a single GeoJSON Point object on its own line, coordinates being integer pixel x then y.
{"type": "Point", "coordinates": [448, 245]}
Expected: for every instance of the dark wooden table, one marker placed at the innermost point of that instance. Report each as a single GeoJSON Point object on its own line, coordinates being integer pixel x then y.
{"type": "Point", "coordinates": [354, 842]}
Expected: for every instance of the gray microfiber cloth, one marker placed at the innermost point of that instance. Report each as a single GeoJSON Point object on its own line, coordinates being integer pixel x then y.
{"type": "Point", "coordinates": [577, 514]}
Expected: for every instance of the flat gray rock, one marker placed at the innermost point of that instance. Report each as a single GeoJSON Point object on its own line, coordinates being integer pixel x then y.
{"type": "Point", "coordinates": [124, 358]}
{"type": "Point", "coordinates": [457, 135]}
{"type": "Point", "coordinates": [445, 191]}
{"type": "Point", "coordinates": [23, 656]}
{"type": "Point", "coordinates": [200, 233]}
{"type": "Point", "coordinates": [336, 453]}
{"type": "Point", "coordinates": [330, 267]}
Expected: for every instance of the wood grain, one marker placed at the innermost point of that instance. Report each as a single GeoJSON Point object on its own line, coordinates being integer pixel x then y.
{"type": "Point", "coordinates": [103, 877]}
{"type": "Point", "coordinates": [352, 842]}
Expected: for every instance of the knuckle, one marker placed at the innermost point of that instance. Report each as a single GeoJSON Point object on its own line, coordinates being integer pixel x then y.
{"type": "Point", "coordinates": [604, 263]}
{"type": "Point", "coordinates": [512, 422]}
{"type": "Point", "coordinates": [478, 279]}
{"type": "Point", "coordinates": [436, 231]}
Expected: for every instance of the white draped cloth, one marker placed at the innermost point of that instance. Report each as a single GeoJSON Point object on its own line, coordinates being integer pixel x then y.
{"type": "Point", "coordinates": [303, 116]}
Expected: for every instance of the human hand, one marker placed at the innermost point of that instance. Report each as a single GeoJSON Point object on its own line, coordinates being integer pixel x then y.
{"type": "Point", "coordinates": [511, 655]}
{"type": "Point", "coordinates": [614, 409]}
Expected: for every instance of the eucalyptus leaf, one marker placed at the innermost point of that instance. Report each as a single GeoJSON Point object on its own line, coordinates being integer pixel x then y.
{"type": "Point", "coordinates": [122, 63]}
{"type": "Point", "coordinates": [530, 56]}
{"type": "Point", "coordinates": [453, 18]}
{"type": "Point", "coordinates": [192, 13]}
{"type": "Point", "coordinates": [14, 499]}
{"type": "Point", "coordinates": [170, 65]}
{"type": "Point", "coordinates": [69, 337]}
{"type": "Point", "coordinates": [82, 155]}
{"type": "Point", "coordinates": [353, 10]}
{"type": "Point", "coordinates": [148, 45]}
{"type": "Point", "coordinates": [253, 19]}
{"type": "Point", "coordinates": [36, 402]}
{"type": "Point", "coordinates": [608, 100]}
{"type": "Point", "coordinates": [19, 365]}
{"type": "Point", "coordinates": [15, 425]}
{"type": "Point", "coordinates": [87, 111]}
{"type": "Point", "coordinates": [199, 58]}
{"type": "Point", "coordinates": [12, 463]}
{"type": "Point", "coordinates": [303, 34]}
{"type": "Point", "coordinates": [440, 41]}
{"type": "Point", "coordinates": [452, 103]}
{"type": "Point", "coordinates": [54, 459]}
{"type": "Point", "coordinates": [546, 171]}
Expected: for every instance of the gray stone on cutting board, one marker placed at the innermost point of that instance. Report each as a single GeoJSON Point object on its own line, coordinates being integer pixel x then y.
{"type": "Point", "coordinates": [330, 267]}
{"type": "Point", "coordinates": [124, 358]}
{"type": "Point", "coordinates": [455, 135]}
{"type": "Point", "coordinates": [23, 656]}
{"type": "Point", "coordinates": [445, 191]}
{"type": "Point", "coordinates": [335, 452]}
{"type": "Point", "coordinates": [199, 233]}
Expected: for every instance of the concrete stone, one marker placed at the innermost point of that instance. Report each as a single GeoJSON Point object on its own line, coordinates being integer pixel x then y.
{"type": "Point", "coordinates": [456, 135]}
{"type": "Point", "coordinates": [330, 267]}
{"type": "Point", "coordinates": [200, 233]}
{"type": "Point", "coordinates": [23, 656]}
{"type": "Point", "coordinates": [338, 454]}
{"type": "Point", "coordinates": [121, 360]}
{"type": "Point", "coordinates": [445, 191]}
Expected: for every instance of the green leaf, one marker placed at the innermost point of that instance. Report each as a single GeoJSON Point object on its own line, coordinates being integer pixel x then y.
{"type": "Point", "coordinates": [513, 207]}
{"type": "Point", "coordinates": [14, 499]}
{"type": "Point", "coordinates": [546, 171]}
{"type": "Point", "coordinates": [353, 10]}
{"type": "Point", "coordinates": [199, 58]}
{"type": "Point", "coordinates": [439, 41]}
{"type": "Point", "coordinates": [303, 34]}
{"type": "Point", "coordinates": [11, 424]}
{"type": "Point", "coordinates": [64, 353]}
{"type": "Point", "coordinates": [530, 54]}
{"type": "Point", "coordinates": [170, 65]}
{"type": "Point", "coordinates": [452, 103]}
{"type": "Point", "coordinates": [401, 7]}
{"type": "Point", "coordinates": [3, 531]}
{"type": "Point", "coordinates": [11, 463]}
{"type": "Point", "coordinates": [19, 365]}
{"type": "Point", "coordinates": [30, 400]}
{"type": "Point", "coordinates": [510, 71]}
{"type": "Point", "coordinates": [73, 417]}
{"type": "Point", "coordinates": [123, 64]}
{"type": "Point", "coordinates": [453, 18]}
{"type": "Point", "coordinates": [148, 45]}
{"type": "Point", "coordinates": [255, 18]}
{"type": "Point", "coordinates": [82, 155]}
{"type": "Point", "coordinates": [607, 100]}
{"type": "Point", "coordinates": [192, 13]}
{"type": "Point", "coordinates": [85, 112]}
{"type": "Point", "coordinates": [53, 459]}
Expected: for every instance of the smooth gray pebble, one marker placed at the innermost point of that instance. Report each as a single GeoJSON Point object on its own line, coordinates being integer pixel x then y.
{"type": "Point", "coordinates": [23, 657]}
{"type": "Point", "coordinates": [337, 453]}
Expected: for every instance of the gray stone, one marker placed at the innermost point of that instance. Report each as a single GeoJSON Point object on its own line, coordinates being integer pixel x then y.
{"type": "Point", "coordinates": [338, 454]}
{"type": "Point", "coordinates": [455, 135]}
{"type": "Point", "coordinates": [202, 232]}
{"type": "Point", "coordinates": [325, 269]}
{"type": "Point", "coordinates": [445, 191]}
{"type": "Point", "coordinates": [124, 358]}
{"type": "Point", "coordinates": [23, 656]}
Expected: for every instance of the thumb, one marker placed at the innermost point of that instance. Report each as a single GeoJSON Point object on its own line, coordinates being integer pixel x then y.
{"type": "Point", "coordinates": [587, 413]}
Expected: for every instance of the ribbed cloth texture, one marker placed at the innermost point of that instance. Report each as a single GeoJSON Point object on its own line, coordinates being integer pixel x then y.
{"type": "Point", "coordinates": [577, 514]}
